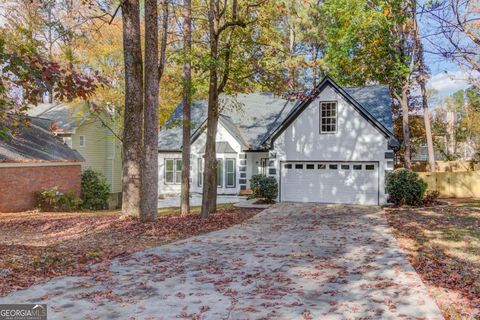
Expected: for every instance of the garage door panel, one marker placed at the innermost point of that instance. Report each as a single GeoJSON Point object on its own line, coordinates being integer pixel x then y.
{"type": "Point", "coordinates": [330, 185]}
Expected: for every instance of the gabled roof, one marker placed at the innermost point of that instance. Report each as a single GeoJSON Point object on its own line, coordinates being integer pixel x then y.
{"type": "Point", "coordinates": [66, 117]}
{"type": "Point", "coordinates": [254, 118]}
{"type": "Point", "coordinates": [36, 144]}
{"type": "Point", "coordinates": [373, 103]}
{"type": "Point", "coordinates": [221, 147]}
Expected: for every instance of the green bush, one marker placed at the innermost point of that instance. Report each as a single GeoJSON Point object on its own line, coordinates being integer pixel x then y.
{"type": "Point", "coordinates": [264, 187]}
{"type": "Point", "coordinates": [50, 200]}
{"type": "Point", "coordinates": [47, 199]}
{"type": "Point", "coordinates": [95, 190]}
{"type": "Point", "coordinates": [405, 187]}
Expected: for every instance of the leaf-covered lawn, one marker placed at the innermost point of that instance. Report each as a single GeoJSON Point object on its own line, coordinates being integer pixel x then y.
{"type": "Point", "coordinates": [35, 247]}
{"type": "Point", "coordinates": [443, 245]}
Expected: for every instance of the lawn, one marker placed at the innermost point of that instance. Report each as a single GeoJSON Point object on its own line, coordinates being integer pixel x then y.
{"type": "Point", "coordinates": [36, 246]}
{"type": "Point", "coordinates": [443, 245]}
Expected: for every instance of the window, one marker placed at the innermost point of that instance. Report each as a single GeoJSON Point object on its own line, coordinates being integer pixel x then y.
{"type": "Point", "coordinates": [200, 172]}
{"type": "Point", "coordinates": [322, 166]}
{"type": "Point", "coordinates": [178, 171]}
{"type": "Point", "coordinates": [230, 173]}
{"type": "Point", "coordinates": [173, 171]}
{"type": "Point", "coordinates": [333, 166]}
{"type": "Point", "coordinates": [345, 167]}
{"type": "Point", "coordinates": [357, 167]}
{"type": "Point", "coordinates": [219, 173]}
{"type": "Point", "coordinates": [310, 166]}
{"type": "Point", "coordinates": [82, 141]}
{"type": "Point", "coordinates": [369, 167]}
{"type": "Point", "coordinates": [287, 166]}
{"type": "Point", "coordinates": [298, 166]}
{"type": "Point", "coordinates": [328, 117]}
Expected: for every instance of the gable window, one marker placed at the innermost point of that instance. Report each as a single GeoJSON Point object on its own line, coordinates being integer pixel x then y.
{"type": "Point", "coordinates": [200, 172]}
{"type": "Point", "coordinates": [173, 171]}
{"type": "Point", "coordinates": [230, 173]}
{"type": "Point", "coordinates": [82, 141]}
{"type": "Point", "coordinates": [219, 173]}
{"type": "Point", "coordinates": [328, 117]}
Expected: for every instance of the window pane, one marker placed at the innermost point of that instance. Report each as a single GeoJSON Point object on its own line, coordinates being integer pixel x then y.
{"type": "Point", "coordinates": [310, 166]}
{"type": "Point", "coordinates": [357, 167]}
{"type": "Point", "coordinates": [345, 167]}
{"type": "Point", "coordinates": [169, 164]}
{"type": "Point", "coordinates": [230, 179]}
{"type": "Point", "coordinates": [219, 172]}
{"type": "Point", "coordinates": [169, 177]}
{"type": "Point", "coordinates": [178, 176]}
{"type": "Point", "coordinates": [369, 167]}
{"type": "Point", "coordinates": [179, 165]}
{"type": "Point", "coordinates": [322, 166]}
{"type": "Point", "coordinates": [333, 166]}
{"type": "Point", "coordinates": [298, 166]}
{"type": "Point", "coordinates": [287, 166]}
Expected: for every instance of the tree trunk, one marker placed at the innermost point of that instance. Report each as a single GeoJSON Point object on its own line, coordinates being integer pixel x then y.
{"type": "Point", "coordinates": [428, 128]}
{"type": "Point", "coordinates": [149, 190]}
{"type": "Point", "coordinates": [451, 142]}
{"type": "Point", "coordinates": [187, 99]}
{"type": "Point", "coordinates": [422, 79]}
{"type": "Point", "coordinates": [405, 126]}
{"type": "Point", "coordinates": [133, 115]}
{"type": "Point", "coordinates": [209, 194]}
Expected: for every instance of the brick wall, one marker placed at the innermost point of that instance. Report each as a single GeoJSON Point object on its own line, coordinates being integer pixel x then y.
{"type": "Point", "coordinates": [19, 184]}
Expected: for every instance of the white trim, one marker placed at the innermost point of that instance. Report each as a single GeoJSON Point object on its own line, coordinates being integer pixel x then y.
{"type": "Point", "coordinates": [39, 164]}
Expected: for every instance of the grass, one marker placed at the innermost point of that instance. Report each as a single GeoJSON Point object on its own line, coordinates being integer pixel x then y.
{"type": "Point", "coordinates": [443, 245]}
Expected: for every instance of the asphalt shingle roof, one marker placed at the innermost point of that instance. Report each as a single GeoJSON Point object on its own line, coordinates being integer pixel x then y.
{"type": "Point", "coordinates": [255, 116]}
{"type": "Point", "coordinates": [66, 117]}
{"type": "Point", "coordinates": [36, 144]}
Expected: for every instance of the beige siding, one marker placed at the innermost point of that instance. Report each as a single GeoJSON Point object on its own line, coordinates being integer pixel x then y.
{"type": "Point", "coordinates": [102, 152]}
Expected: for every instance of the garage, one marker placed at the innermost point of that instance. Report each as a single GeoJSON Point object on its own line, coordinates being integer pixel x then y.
{"type": "Point", "coordinates": [330, 182]}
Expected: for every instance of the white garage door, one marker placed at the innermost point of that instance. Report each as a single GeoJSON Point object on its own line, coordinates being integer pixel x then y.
{"type": "Point", "coordinates": [330, 182]}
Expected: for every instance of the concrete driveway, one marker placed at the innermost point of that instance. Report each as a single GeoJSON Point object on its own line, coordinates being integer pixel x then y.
{"type": "Point", "coordinates": [292, 261]}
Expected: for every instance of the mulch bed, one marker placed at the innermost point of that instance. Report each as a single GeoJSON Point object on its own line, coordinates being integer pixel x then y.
{"type": "Point", "coordinates": [443, 245]}
{"type": "Point", "coordinates": [35, 247]}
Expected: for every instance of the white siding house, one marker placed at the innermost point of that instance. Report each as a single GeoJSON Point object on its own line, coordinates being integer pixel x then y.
{"type": "Point", "coordinates": [333, 146]}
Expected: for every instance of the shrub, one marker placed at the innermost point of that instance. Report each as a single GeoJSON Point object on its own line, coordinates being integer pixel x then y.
{"type": "Point", "coordinates": [51, 199]}
{"type": "Point", "coordinates": [264, 187]}
{"type": "Point", "coordinates": [47, 199]}
{"type": "Point", "coordinates": [431, 197]}
{"type": "Point", "coordinates": [405, 187]}
{"type": "Point", "coordinates": [95, 190]}
{"type": "Point", "coordinates": [68, 202]}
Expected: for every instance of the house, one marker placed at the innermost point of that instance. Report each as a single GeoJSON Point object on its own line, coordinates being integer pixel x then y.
{"type": "Point", "coordinates": [86, 133]}
{"type": "Point", "coordinates": [33, 159]}
{"type": "Point", "coordinates": [333, 146]}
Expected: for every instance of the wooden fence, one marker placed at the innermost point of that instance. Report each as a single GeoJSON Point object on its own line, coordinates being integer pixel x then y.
{"type": "Point", "coordinates": [465, 184]}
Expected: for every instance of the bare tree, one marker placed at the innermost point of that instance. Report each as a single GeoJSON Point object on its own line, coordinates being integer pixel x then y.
{"type": "Point", "coordinates": [422, 81]}
{"type": "Point", "coordinates": [455, 33]}
{"type": "Point", "coordinates": [187, 101]}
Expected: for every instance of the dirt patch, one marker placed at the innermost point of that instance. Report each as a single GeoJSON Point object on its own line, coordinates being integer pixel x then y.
{"type": "Point", "coordinates": [35, 247]}
{"type": "Point", "coordinates": [443, 245]}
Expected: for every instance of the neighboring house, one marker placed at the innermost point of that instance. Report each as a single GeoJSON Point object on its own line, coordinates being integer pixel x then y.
{"type": "Point", "coordinates": [334, 146]}
{"type": "Point", "coordinates": [91, 138]}
{"type": "Point", "coordinates": [34, 159]}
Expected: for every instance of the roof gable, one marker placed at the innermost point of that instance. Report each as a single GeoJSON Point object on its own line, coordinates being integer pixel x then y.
{"type": "Point", "coordinates": [365, 95]}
